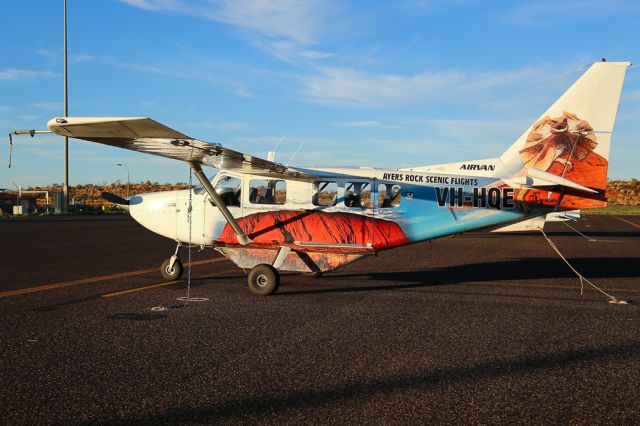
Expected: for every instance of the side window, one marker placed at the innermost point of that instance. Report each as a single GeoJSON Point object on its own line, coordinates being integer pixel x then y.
{"type": "Point", "coordinates": [357, 194]}
{"type": "Point", "coordinates": [388, 195]}
{"type": "Point", "coordinates": [267, 191]}
{"type": "Point", "coordinates": [228, 188]}
{"type": "Point", "coordinates": [325, 193]}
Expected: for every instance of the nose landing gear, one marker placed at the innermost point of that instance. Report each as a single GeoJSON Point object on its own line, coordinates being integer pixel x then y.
{"type": "Point", "coordinates": [172, 268]}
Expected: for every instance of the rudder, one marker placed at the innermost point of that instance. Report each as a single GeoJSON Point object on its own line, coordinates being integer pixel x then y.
{"type": "Point", "coordinates": [572, 139]}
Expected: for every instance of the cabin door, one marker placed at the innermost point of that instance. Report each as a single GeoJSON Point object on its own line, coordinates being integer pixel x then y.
{"type": "Point", "coordinates": [358, 198]}
{"type": "Point", "coordinates": [184, 232]}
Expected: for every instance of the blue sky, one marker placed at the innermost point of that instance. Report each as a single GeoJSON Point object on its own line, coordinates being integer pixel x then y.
{"type": "Point", "coordinates": [389, 84]}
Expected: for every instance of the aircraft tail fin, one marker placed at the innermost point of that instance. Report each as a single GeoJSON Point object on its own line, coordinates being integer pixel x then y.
{"type": "Point", "coordinates": [572, 138]}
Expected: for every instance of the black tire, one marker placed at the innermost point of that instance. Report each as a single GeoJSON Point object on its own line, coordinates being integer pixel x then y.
{"type": "Point", "coordinates": [316, 274]}
{"type": "Point", "coordinates": [171, 275]}
{"type": "Point", "coordinates": [263, 280]}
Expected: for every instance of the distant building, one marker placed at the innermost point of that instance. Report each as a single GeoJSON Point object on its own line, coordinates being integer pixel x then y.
{"type": "Point", "coordinates": [8, 199]}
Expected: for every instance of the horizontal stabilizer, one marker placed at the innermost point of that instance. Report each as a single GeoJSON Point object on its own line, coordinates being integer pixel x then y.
{"type": "Point", "coordinates": [532, 224]}
{"type": "Point", "coordinates": [538, 222]}
{"type": "Point", "coordinates": [538, 178]}
{"type": "Point", "coordinates": [563, 216]}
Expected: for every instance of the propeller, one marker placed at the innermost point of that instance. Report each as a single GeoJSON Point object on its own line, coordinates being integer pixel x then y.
{"type": "Point", "coordinates": [116, 199]}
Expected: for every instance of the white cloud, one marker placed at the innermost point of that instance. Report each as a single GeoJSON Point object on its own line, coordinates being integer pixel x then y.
{"type": "Point", "coordinates": [17, 74]}
{"type": "Point", "coordinates": [284, 28]}
{"type": "Point", "coordinates": [368, 123]}
{"type": "Point", "coordinates": [243, 93]}
{"type": "Point", "coordinates": [149, 69]}
{"type": "Point", "coordinates": [4, 108]}
{"type": "Point", "coordinates": [155, 4]}
{"type": "Point", "coordinates": [297, 20]}
{"type": "Point", "coordinates": [81, 57]}
{"type": "Point", "coordinates": [290, 51]}
{"type": "Point", "coordinates": [46, 53]}
{"type": "Point", "coordinates": [315, 54]}
{"type": "Point", "coordinates": [351, 87]}
{"type": "Point", "coordinates": [219, 74]}
{"type": "Point", "coordinates": [57, 54]}
{"type": "Point", "coordinates": [345, 86]}
{"type": "Point", "coordinates": [469, 134]}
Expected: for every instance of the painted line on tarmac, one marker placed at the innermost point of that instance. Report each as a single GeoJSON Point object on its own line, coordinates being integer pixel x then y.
{"type": "Point", "coordinates": [635, 225]}
{"type": "Point", "coordinates": [94, 279]}
{"type": "Point", "coordinates": [133, 290]}
{"type": "Point", "coordinates": [152, 286]}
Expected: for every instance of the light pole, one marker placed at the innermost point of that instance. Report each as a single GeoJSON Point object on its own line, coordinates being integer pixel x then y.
{"type": "Point", "coordinates": [17, 193]}
{"type": "Point", "coordinates": [125, 166]}
{"type": "Point", "coordinates": [65, 187]}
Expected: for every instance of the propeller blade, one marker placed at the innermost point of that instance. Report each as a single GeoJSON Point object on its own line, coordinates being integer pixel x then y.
{"type": "Point", "coordinates": [116, 199]}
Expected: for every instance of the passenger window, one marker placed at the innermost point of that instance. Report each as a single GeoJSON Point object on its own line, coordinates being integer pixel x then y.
{"type": "Point", "coordinates": [325, 193]}
{"type": "Point", "coordinates": [267, 191]}
{"type": "Point", "coordinates": [388, 195]}
{"type": "Point", "coordinates": [357, 194]}
{"type": "Point", "coordinates": [228, 188]}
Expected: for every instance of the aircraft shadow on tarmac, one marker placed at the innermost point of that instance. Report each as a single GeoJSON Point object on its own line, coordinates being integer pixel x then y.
{"type": "Point", "coordinates": [508, 270]}
{"type": "Point", "coordinates": [358, 281]}
{"type": "Point", "coordinates": [268, 403]}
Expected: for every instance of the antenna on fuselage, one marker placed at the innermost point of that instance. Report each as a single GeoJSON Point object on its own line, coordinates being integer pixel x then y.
{"type": "Point", "coordinates": [271, 155]}
{"type": "Point", "coordinates": [294, 153]}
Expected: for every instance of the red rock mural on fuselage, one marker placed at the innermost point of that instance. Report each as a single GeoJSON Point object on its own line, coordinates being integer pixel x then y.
{"type": "Point", "coordinates": [278, 227]}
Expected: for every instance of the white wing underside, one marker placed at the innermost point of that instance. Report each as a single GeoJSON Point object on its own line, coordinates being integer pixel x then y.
{"type": "Point", "coordinates": [145, 135]}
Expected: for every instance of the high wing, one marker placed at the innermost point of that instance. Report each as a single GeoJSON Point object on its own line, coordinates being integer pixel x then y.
{"type": "Point", "coordinates": [143, 134]}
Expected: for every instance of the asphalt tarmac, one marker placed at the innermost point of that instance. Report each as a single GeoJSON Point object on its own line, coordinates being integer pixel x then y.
{"type": "Point", "coordinates": [478, 328]}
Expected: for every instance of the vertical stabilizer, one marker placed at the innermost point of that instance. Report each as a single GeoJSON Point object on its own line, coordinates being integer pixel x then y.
{"type": "Point", "coordinates": [572, 139]}
{"type": "Point", "coordinates": [587, 109]}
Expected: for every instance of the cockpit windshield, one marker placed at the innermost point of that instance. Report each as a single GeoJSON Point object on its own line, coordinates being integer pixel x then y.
{"type": "Point", "coordinates": [199, 189]}
{"type": "Point", "coordinates": [228, 187]}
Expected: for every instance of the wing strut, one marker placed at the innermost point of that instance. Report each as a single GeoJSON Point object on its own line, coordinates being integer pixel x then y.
{"type": "Point", "coordinates": [215, 199]}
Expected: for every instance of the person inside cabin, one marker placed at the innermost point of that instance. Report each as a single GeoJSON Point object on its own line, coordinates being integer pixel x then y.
{"type": "Point", "coordinates": [351, 200]}
{"type": "Point", "coordinates": [260, 195]}
{"type": "Point", "coordinates": [391, 197]}
{"type": "Point", "coordinates": [263, 195]}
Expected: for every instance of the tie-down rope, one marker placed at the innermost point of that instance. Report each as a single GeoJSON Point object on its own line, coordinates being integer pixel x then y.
{"type": "Point", "coordinates": [583, 280]}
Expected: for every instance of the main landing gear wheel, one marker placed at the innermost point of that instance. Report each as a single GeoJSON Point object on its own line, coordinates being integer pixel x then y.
{"type": "Point", "coordinates": [171, 274]}
{"type": "Point", "coordinates": [263, 279]}
{"type": "Point", "coordinates": [316, 274]}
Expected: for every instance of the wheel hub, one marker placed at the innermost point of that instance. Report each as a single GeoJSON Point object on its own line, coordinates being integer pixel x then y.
{"type": "Point", "coordinates": [262, 280]}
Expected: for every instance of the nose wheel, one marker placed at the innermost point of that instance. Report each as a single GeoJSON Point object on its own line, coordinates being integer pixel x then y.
{"type": "Point", "coordinates": [171, 272]}
{"type": "Point", "coordinates": [263, 279]}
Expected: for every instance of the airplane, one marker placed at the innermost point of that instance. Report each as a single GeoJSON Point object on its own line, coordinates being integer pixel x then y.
{"type": "Point", "coordinates": [268, 218]}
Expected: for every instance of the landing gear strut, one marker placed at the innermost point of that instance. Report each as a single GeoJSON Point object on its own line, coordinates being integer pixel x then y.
{"type": "Point", "coordinates": [172, 268]}
{"type": "Point", "coordinates": [263, 279]}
